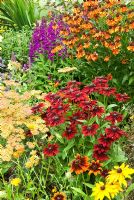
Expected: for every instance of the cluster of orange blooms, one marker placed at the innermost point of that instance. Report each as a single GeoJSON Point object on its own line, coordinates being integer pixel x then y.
{"type": "Point", "coordinates": [96, 29]}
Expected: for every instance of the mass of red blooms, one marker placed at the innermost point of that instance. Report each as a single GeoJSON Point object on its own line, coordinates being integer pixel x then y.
{"type": "Point", "coordinates": [73, 107]}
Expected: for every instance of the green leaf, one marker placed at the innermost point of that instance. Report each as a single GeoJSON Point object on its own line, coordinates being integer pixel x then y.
{"type": "Point", "coordinates": [69, 146]}
{"type": "Point", "coordinates": [79, 191]}
{"type": "Point", "coordinates": [129, 189]}
{"type": "Point", "coordinates": [89, 185]}
{"type": "Point", "coordinates": [111, 106]}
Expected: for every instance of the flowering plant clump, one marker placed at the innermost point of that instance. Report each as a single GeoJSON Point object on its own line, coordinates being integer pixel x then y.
{"type": "Point", "coordinates": [96, 34]}
{"type": "Point", "coordinates": [17, 121]}
{"type": "Point", "coordinates": [46, 39]}
{"type": "Point", "coordinates": [82, 140]}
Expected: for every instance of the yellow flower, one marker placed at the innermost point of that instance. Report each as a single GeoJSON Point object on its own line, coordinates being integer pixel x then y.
{"type": "Point", "coordinates": [119, 174]}
{"type": "Point", "coordinates": [102, 190]}
{"type": "Point", "coordinates": [15, 181]}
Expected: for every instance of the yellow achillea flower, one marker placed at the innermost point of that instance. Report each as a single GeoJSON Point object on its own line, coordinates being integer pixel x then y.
{"type": "Point", "coordinates": [119, 174]}
{"type": "Point", "coordinates": [102, 190]}
{"type": "Point", "coordinates": [15, 181]}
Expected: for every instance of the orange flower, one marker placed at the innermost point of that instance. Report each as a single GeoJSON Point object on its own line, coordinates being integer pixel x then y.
{"type": "Point", "coordinates": [107, 58]}
{"type": "Point", "coordinates": [131, 47]}
{"type": "Point", "coordinates": [80, 164]}
{"type": "Point", "coordinates": [95, 167]}
{"type": "Point", "coordinates": [59, 196]}
{"type": "Point", "coordinates": [56, 49]}
{"type": "Point", "coordinates": [94, 56]}
{"type": "Point", "coordinates": [124, 61]}
{"type": "Point", "coordinates": [115, 51]}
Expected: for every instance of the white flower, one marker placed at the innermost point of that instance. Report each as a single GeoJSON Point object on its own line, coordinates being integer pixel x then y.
{"type": "Point", "coordinates": [3, 194]}
{"type": "Point", "coordinates": [1, 38]}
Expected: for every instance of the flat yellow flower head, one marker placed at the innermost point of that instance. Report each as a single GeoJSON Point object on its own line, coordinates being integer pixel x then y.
{"type": "Point", "coordinates": [102, 190]}
{"type": "Point", "coordinates": [16, 181]}
{"type": "Point", "coordinates": [119, 174]}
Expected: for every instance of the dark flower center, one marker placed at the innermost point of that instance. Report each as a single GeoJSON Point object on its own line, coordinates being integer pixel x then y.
{"type": "Point", "coordinates": [56, 118]}
{"type": "Point", "coordinates": [102, 187]}
{"type": "Point", "coordinates": [78, 95]}
{"type": "Point", "coordinates": [69, 130]}
{"type": "Point", "coordinates": [115, 114]}
{"type": "Point", "coordinates": [114, 129]}
{"type": "Point", "coordinates": [94, 166]}
{"type": "Point", "coordinates": [50, 148]}
{"type": "Point", "coordinates": [60, 107]}
{"type": "Point", "coordinates": [89, 128]}
{"type": "Point", "coordinates": [59, 197]}
{"type": "Point", "coordinates": [75, 117]}
{"type": "Point", "coordinates": [119, 170]}
{"type": "Point", "coordinates": [77, 162]}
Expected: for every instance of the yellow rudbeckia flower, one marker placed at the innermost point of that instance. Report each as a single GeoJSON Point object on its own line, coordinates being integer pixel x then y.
{"type": "Point", "coordinates": [119, 174]}
{"type": "Point", "coordinates": [102, 190]}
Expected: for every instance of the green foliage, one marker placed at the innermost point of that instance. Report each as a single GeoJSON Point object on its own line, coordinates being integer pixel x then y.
{"type": "Point", "coordinates": [18, 13]}
{"type": "Point", "coordinates": [16, 42]}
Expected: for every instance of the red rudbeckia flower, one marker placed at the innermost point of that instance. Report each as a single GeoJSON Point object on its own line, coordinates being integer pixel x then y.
{"type": "Point", "coordinates": [100, 81]}
{"type": "Point", "coordinates": [105, 141]}
{"type": "Point", "coordinates": [122, 97]}
{"type": "Point", "coordinates": [95, 167]}
{"type": "Point", "coordinates": [114, 133]}
{"type": "Point", "coordinates": [90, 130]}
{"type": "Point", "coordinates": [80, 164]}
{"type": "Point", "coordinates": [97, 111]}
{"type": "Point", "coordinates": [99, 152]}
{"type": "Point", "coordinates": [107, 91]}
{"type": "Point", "coordinates": [51, 150]}
{"type": "Point", "coordinates": [70, 132]}
{"type": "Point", "coordinates": [54, 119]}
{"type": "Point", "coordinates": [78, 96]}
{"type": "Point", "coordinates": [87, 105]}
{"type": "Point", "coordinates": [90, 89]}
{"type": "Point", "coordinates": [53, 98]}
{"type": "Point", "coordinates": [114, 117]}
{"type": "Point", "coordinates": [37, 108]}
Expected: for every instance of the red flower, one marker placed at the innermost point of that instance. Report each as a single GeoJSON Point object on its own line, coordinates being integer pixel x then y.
{"type": "Point", "coordinates": [90, 89]}
{"type": "Point", "coordinates": [104, 173]}
{"type": "Point", "coordinates": [76, 117]}
{"type": "Point", "coordinates": [107, 91]}
{"type": "Point", "coordinates": [80, 164]}
{"type": "Point", "coordinates": [53, 119]}
{"type": "Point", "coordinates": [122, 97]}
{"type": "Point", "coordinates": [58, 108]}
{"type": "Point", "coordinates": [114, 117]}
{"type": "Point", "coordinates": [100, 81]}
{"type": "Point", "coordinates": [114, 133]}
{"type": "Point", "coordinates": [78, 96]}
{"type": "Point", "coordinates": [37, 108]}
{"type": "Point", "coordinates": [70, 132]}
{"type": "Point", "coordinates": [105, 141]}
{"type": "Point", "coordinates": [87, 105]}
{"type": "Point", "coordinates": [95, 167]}
{"type": "Point", "coordinates": [73, 84]}
{"type": "Point", "coordinates": [28, 133]}
{"type": "Point", "coordinates": [53, 98]}
{"type": "Point", "coordinates": [97, 111]}
{"type": "Point", "coordinates": [51, 150]}
{"type": "Point", "coordinates": [66, 92]}
{"type": "Point", "coordinates": [100, 151]}
{"type": "Point", "coordinates": [90, 130]}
